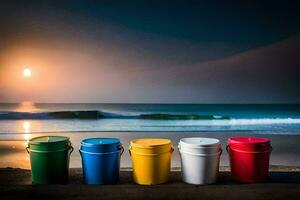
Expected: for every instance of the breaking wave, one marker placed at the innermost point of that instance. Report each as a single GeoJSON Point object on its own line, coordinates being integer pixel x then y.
{"type": "Point", "coordinates": [94, 114]}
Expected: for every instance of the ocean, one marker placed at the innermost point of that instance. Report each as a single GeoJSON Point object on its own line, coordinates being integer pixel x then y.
{"type": "Point", "coordinates": [20, 122]}
{"type": "Point", "coordinates": [29, 117]}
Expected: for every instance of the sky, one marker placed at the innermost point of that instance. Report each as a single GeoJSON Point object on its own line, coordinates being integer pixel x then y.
{"type": "Point", "coordinates": [150, 51]}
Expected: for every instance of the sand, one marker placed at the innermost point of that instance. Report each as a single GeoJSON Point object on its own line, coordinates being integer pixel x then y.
{"type": "Point", "coordinates": [284, 183]}
{"type": "Point", "coordinates": [286, 148]}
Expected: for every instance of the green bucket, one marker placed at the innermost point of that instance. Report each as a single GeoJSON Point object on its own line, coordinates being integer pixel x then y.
{"type": "Point", "coordinates": [49, 158]}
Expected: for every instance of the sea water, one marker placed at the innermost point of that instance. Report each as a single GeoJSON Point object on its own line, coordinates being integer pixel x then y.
{"type": "Point", "coordinates": [28, 117]}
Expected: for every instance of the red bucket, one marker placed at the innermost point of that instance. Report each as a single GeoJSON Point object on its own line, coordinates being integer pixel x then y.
{"type": "Point", "coordinates": [249, 158]}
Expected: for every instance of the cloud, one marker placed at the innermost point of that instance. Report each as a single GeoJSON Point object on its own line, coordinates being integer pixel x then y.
{"type": "Point", "coordinates": [268, 74]}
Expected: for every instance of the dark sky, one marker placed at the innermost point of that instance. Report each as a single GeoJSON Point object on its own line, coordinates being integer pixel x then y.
{"type": "Point", "coordinates": [151, 51]}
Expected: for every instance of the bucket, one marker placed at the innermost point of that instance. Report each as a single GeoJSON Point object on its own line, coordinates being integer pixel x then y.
{"type": "Point", "coordinates": [49, 159]}
{"type": "Point", "coordinates": [151, 160]}
{"type": "Point", "coordinates": [200, 159]}
{"type": "Point", "coordinates": [101, 160]}
{"type": "Point", "coordinates": [249, 158]}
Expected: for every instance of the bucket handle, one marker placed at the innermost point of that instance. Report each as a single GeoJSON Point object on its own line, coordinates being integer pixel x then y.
{"type": "Point", "coordinates": [227, 148]}
{"type": "Point", "coordinates": [129, 149]}
{"type": "Point", "coordinates": [72, 149]}
{"type": "Point", "coordinates": [221, 150]}
{"type": "Point", "coordinates": [179, 147]}
{"type": "Point", "coordinates": [122, 150]}
{"type": "Point", "coordinates": [27, 149]}
{"type": "Point", "coordinates": [172, 149]}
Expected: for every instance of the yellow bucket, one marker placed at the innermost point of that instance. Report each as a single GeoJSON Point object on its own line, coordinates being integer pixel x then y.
{"type": "Point", "coordinates": [151, 160]}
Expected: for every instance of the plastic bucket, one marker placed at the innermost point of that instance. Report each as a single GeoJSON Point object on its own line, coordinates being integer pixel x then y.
{"type": "Point", "coordinates": [49, 159]}
{"type": "Point", "coordinates": [101, 160]}
{"type": "Point", "coordinates": [200, 159]}
{"type": "Point", "coordinates": [151, 160]}
{"type": "Point", "coordinates": [249, 158]}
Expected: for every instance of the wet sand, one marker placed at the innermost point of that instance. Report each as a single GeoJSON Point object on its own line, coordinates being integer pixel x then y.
{"type": "Point", "coordinates": [284, 183]}
{"type": "Point", "coordinates": [286, 148]}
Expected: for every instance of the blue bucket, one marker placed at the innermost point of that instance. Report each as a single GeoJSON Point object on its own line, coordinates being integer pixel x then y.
{"type": "Point", "coordinates": [101, 160]}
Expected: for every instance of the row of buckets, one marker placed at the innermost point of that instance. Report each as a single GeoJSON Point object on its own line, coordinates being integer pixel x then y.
{"type": "Point", "coordinates": [151, 159]}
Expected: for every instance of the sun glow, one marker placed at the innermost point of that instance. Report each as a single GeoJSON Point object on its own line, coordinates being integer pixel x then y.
{"type": "Point", "coordinates": [27, 72]}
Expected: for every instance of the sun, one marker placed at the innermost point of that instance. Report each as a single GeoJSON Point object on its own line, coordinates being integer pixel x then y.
{"type": "Point", "coordinates": [27, 72]}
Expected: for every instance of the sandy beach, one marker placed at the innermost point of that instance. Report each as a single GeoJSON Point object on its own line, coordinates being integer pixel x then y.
{"type": "Point", "coordinates": [144, 70]}
{"type": "Point", "coordinates": [285, 147]}
{"type": "Point", "coordinates": [284, 183]}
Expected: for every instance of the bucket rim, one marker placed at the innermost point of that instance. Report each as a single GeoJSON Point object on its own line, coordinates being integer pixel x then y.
{"type": "Point", "coordinates": [248, 141]}
{"type": "Point", "coordinates": [104, 153]}
{"type": "Point", "coordinates": [64, 139]}
{"type": "Point", "coordinates": [202, 154]}
{"type": "Point", "coordinates": [131, 151]}
{"type": "Point", "coordinates": [110, 141]}
{"type": "Point", "coordinates": [150, 143]}
{"type": "Point", "coordinates": [204, 143]}
{"type": "Point", "coordinates": [269, 150]}
{"type": "Point", "coordinates": [50, 151]}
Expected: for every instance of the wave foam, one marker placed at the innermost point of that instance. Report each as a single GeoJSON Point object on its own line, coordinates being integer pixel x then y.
{"type": "Point", "coordinates": [264, 121]}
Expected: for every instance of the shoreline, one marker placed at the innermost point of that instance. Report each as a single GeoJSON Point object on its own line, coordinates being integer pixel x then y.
{"type": "Point", "coordinates": [265, 132]}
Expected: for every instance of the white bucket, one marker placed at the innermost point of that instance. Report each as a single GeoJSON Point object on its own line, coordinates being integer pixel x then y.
{"type": "Point", "coordinates": [200, 159]}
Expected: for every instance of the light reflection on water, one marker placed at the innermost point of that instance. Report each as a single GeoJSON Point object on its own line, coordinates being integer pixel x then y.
{"type": "Point", "coordinates": [27, 106]}
{"type": "Point", "coordinates": [26, 136]}
{"type": "Point", "coordinates": [26, 126]}
{"type": "Point", "coordinates": [27, 133]}
{"type": "Point", "coordinates": [14, 153]}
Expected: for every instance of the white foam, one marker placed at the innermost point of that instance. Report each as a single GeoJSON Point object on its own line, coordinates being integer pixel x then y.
{"type": "Point", "coordinates": [263, 121]}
